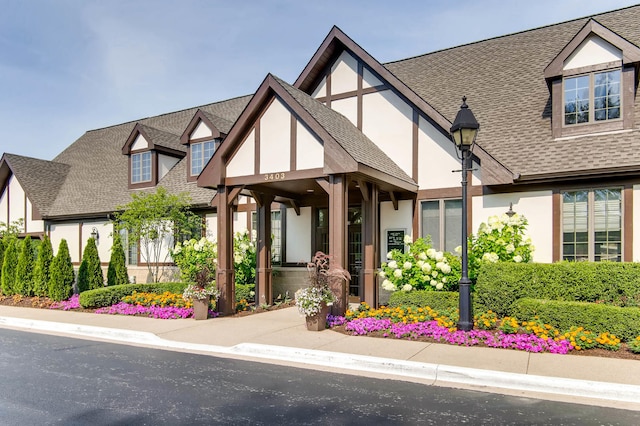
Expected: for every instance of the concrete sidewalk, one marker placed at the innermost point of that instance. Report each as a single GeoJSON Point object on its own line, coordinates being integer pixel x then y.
{"type": "Point", "coordinates": [281, 337]}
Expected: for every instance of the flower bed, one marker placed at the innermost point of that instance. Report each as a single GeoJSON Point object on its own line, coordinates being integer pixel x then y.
{"type": "Point", "coordinates": [509, 333]}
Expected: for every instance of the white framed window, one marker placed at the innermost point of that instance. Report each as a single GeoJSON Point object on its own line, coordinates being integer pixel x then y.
{"type": "Point", "coordinates": [593, 97]}
{"type": "Point", "coordinates": [592, 225]}
{"type": "Point", "coordinates": [130, 248]}
{"type": "Point", "coordinates": [141, 167]}
{"type": "Point", "coordinates": [442, 220]}
{"type": "Point", "coordinates": [201, 153]}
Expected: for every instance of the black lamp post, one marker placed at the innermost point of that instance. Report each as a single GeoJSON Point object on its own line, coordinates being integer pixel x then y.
{"type": "Point", "coordinates": [463, 132]}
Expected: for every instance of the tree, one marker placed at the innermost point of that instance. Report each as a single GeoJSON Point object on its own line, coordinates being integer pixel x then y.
{"type": "Point", "coordinates": [9, 267]}
{"type": "Point", "coordinates": [2, 247]}
{"type": "Point", "coordinates": [41, 271]}
{"type": "Point", "coordinates": [12, 229]}
{"type": "Point", "coordinates": [92, 277]}
{"type": "Point", "coordinates": [24, 270]}
{"type": "Point", "coordinates": [152, 219]}
{"type": "Point", "coordinates": [117, 272]}
{"type": "Point", "coordinates": [61, 274]}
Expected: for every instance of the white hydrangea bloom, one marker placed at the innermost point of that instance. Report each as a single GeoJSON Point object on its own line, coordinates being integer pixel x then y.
{"type": "Point", "coordinates": [408, 239]}
{"type": "Point", "coordinates": [490, 257]}
{"type": "Point", "coordinates": [458, 250]}
{"type": "Point", "coordinates": [431, 253]}
{"type": "Point", "coordinates": [382, 274]}
{"type": "Point", "coordinates": [389, 255]}
{"type": "Point", "coordinates": [397, 273]}
{"type": "Point", "coordinates": [407, 265]}
{"type": "Point", "coordinates": [393, 264]}
{"type": "Point", "coordinates": [439, 286]}
{"type": "Point", "coordinates": [426, 268]}
{"type": "Point", "coordinates": [445, 268]}
{"type": "Point", "coordinates": [388, 285]}
{"type": "Point", "coordinates": [434, 283]}
{"type": "Point", "coordinates": [510, 248]}
{"type": "Point", "coordinates": [420, 263]}
{"type": "Point", "coordinates": [439, 256]}
{"type": "Point", "coordinates": [407, 287]}
{"type": "Point", "coordinates": [517, 258]}
{"type": "Point", "coordinates": [422, 256]}
{"type": "Point", "coordinates": [434, 274]}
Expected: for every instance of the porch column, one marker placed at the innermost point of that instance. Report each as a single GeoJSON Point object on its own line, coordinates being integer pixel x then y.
{"type": "Point", "coordinates": [225, 274]}
{"type": "Point", "coordinates": [371, 240]}
{"type": "Point", "coordinates": [263, 247]}
{"type": "Point", "coordinates": [338, 207]}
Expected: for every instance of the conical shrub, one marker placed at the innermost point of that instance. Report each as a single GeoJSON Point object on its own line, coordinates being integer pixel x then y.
{"type": "Point", "coordinates": [61, 274]}
{"type": "Point", "coordinates": [41, 270]}
{"type": "Point", "coordinates": [117, 272]}
{"type": "Point", "coordinates": [9, 268]}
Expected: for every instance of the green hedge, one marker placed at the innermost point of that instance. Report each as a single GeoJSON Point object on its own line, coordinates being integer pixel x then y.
{"type": "Point", "coordinates": [243, 291]}
{"type": "Point", "coordinates": [594, 317]}
{"type": "Point", "coordinates": [438, 300]}
{"type": "Point", "coordinates": [499, 285]}
{"type": "Point", "coordinates": [108, 296]}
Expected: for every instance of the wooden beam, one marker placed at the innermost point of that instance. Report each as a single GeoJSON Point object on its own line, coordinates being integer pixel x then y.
{"type": "Point", "coordinates": [257, 197]}
{"type": "Point", "coordinates": [394, 200]}
{"type": "Point", "coordinates": [295, 206]}
{"type": "Point", "coordinates": [324, 184]}
{"type": "Point", "coordinates": [364, 189]}
{"type": "Point", "coordinates": [233, 194]}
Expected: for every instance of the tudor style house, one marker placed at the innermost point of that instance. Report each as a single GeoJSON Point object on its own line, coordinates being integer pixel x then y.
{"type": "Point", "coordinates": [355, 154]}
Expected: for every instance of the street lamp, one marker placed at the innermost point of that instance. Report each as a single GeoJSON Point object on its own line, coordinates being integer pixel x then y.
{"type": "Point", "coordinates": [463, 132]}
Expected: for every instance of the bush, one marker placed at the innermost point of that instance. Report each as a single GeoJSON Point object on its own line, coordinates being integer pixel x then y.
{"type": "Point", "coordinates": [244, 259]}
{"type": "Point", "coordinates": [243, 291]}
{"type": "Point", "coordinates": [107, 296]}
{"type": "Point", "coordinates": [193, 256]}
{"type": "Point", "coordinates": [90, 273]}
{"type": "Point", "coordinates": [624, 323]}
{"type": "Point", "coordinates": [61, 274]}
{"type": "Point", "coordinates": [117, 273]}
{"type": "Point", "coordinates": [437, 300]}
{"type": "Point", "coordinates": [499, 285]}
{"type": "Point", "coordinates": [43, 265]}
{"type": "Point", "coordinates": [24, 270]}
{"type": "Point", "coordinates": [9, 267]}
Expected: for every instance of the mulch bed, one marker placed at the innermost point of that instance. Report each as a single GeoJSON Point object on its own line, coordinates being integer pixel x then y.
{"type": "Point", "coordinates": [45, 303]}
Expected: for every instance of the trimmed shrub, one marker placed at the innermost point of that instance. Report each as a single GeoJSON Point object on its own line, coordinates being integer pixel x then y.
{"type": "Point", "coordinates": [107, 296]}
{"type": "Point", "coordinates": [24, 269]}
{"type": "Point", "coordinates": [117, 273]}
{"type": "Point", "coordinates": [438, 300]}
{"type": "Point", "coordinates": [92, 277]}
{"type": "Point", "coordinates": [595, 317]}
{"type": "Point", "coordinates": [41, 271]}
{"type": "Point", "coordinates": [499, 285]}
{"type": "Point", "coordinates": [243, 291]}
{"type": "Point", "coordinates": [2, 247]}
{"type": "Point", "coordinates": [9, 267]}
{"type": "Point", "coordinates": [61, 274]}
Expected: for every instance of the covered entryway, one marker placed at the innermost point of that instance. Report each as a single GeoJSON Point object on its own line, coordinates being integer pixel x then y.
{"type": "Point", "coordinates": [288, 149]}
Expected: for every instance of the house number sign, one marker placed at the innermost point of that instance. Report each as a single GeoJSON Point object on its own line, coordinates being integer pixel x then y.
{"type": "Point", "coordinates": [273, 176]}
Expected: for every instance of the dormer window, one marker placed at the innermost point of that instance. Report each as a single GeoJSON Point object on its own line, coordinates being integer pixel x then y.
{"type": "Point", "coordinates": [592, 97]}
{"type": "Point", "coordinates": [201, 153]}
{"type": "Point", "coordinates": [141, 167]}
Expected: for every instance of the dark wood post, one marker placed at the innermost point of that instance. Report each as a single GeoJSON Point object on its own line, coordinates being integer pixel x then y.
{"type": "Point", "coordinates": [371, 242]}
{"type": "Point", "coordinates": [263, 256]}
{"type": "Point", "coordinates": [338, 207]}
{"type": "Point", "coordinates": [225, 277]}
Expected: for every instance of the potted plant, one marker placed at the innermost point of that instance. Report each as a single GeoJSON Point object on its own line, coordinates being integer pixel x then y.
{"type": "Point", "coordinates": [314, 301]}
{"type": "Point", "coordinates": [202, 294]}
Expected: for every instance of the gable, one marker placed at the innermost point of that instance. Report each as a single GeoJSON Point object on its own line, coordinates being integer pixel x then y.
{"type": "Point", "coordinates": [592, 51]}
{"type": "Point", "coordinates": [278, 142]}
{"type": "Point", "coordinates": [201, 131]}
{"type": "Point", "coordinates": [139, 143]}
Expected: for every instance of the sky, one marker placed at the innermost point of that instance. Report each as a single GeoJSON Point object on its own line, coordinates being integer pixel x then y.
{"type": "Point", "coordinates": [69, 66]}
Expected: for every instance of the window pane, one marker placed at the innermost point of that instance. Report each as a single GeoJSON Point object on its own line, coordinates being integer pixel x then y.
{"type": "Point", "coordinates": [575, 225]}
{"type": "Point", "coordinates": [452, 224]}
{"type": "Point", "coordinates": [196, 159]}
{"type": "Point", "coordinates": [146, 166]}
{"type": "Point", "coordinates": [607, 91]}
{"type": "Point", "coordinates": [135, 168]}
{"type": "Point", "coordinates": [608, 224]}
{"type": "Point", "coordinates": [276, 241]}
{"type": "Point", "coordinates": [431, 221]}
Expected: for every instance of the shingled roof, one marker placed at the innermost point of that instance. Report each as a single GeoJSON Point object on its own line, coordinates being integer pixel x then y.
{"type": "Point", "coordinates": [503, 79]}
{"type": "Point", "coordinates": [41, 180]}
{"type": "Point", "coordinates": [97, 179]}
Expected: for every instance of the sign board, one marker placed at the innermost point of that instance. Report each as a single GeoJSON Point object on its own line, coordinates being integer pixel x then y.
{"type": "Point", "coordinates": [395, 239]}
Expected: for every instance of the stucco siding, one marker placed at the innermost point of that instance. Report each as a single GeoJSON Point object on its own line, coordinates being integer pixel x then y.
{"type": "Point", "coordinates": [69, 231]}
{"type": "Point", "coordinates": [275, 139]}
{"type": "Point", "coordinates": [536, 206]}
{"type": "Point", "coordinates": [592, 51]}
{"type": "Point", "coordinates": [436, 159]}
{"type": "Point", "coordinates": [347, 107]}
{"type": "Point", "coordinates": [309, 150]}
{"type": "Point", "coordinates": [298, 236]}
{"type": "Point", "coordinates": [344, 74]}
{"type": "Point", "coordinates": [242, 163]}
{"type": "Point", "coordinates": [388, 122]}
{"type": "Point", "coordinates": [201, 131]}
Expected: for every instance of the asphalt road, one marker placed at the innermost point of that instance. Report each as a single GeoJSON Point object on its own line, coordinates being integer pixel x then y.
{"type": "Point", "coordinates": [55, 380]}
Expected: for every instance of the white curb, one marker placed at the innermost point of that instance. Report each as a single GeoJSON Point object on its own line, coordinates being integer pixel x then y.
{"type": "Point", "coordinates": [436, 373]}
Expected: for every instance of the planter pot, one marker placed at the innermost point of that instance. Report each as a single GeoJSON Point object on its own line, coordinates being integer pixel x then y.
{"type": "Point", "coordinates": [318, 322]}
{"type": "Point", "coordinates": [201, 309]}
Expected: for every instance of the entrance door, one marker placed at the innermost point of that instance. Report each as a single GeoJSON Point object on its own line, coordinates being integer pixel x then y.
{"type": "Point", "coordinates": [354, 244]}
